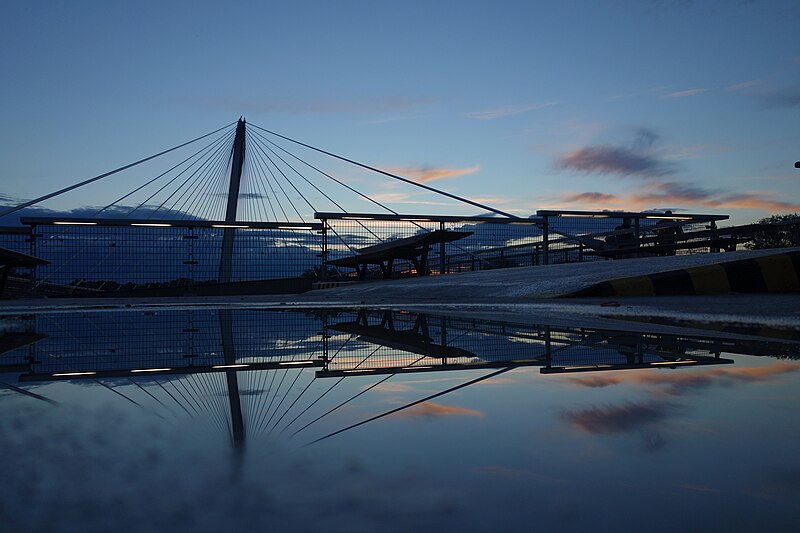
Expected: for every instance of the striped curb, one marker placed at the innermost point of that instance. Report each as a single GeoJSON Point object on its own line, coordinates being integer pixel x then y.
{"type": "Point", "coordinates": [777, 333]}
{"type": "Point", "coordinates": [779, 273]}
{"type": "Point", "coordinates": [328, 284]}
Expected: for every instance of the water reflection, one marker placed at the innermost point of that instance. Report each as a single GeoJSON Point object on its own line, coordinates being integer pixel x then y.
{"type": "Point", "coordinates": [313, 376]}
{"type": "Point", "coordinates": [182, 357]}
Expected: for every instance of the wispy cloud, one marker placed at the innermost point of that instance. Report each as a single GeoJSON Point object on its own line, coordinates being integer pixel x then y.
{"type": "Point", "coordinates": [425, 174]}
{"type": "Point", "coordinates": [594, 198]}
{"type": "Point", "coordinates": [507, 111]}
{"type": "Point", "coordinates": [743, 86]}
{"type": "Point", "coordinates": [322, 105]}
{"type": "Point", "coordinates": [436, 410]}
{"type": "Point", "coordinates": [769, 95]}
{"type": "Point", "coordinates": [686, 94]}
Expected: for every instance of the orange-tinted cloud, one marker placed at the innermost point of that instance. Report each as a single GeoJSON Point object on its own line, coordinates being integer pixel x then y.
{"type": "Point", "coordinates": [675, 193]}
{"type": "Point", "coordinates": [679, 383]}
{"type": "Point", "coordinates": [591, 198]}
{"type": "Point", "coordinates": [435, 410]}
{"type": "Point", "coordinates": [595, 382]}
{"type": "Point", "coordinates": [679, 195]}
{"type": "Point", "coordinates": [426, 174]}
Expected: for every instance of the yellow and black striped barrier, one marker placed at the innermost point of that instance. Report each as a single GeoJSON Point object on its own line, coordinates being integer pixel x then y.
{"type": "Point", "coordinates": [779, 273]}
{"type": "Point", "coordinates": [328, 284]}
{"type": "Point", "coordinates": [778, 333]}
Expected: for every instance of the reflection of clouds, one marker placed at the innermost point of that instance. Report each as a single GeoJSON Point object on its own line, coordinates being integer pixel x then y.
{"type": "Point", "coordinates": [615, 419]}
{"type": "Point", "coordinates": [514, 473]}
{"type": "Point", "coordinates": [434, 410]}
{"type": "Point", "coordinates": [677, 383]}
{"type": "Point", "coordinates": [596, 382]}
{"type": "Point", "coordinates": [783, 478]}
{"type": "Point", "coordinates": [652, 441]}
{"type": "Point", "coordinates": [697, 488]}
{"type": "Point", "coordinates": [391, 387]}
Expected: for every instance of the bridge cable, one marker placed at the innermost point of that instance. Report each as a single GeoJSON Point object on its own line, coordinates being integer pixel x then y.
{"type": "Point", "coordinates": [326, 392]}
{"type": "Point", "coordinates": [101, 176]}
{"type": "Point", "coordinates": [412, 404]}
{"type": "Point", "coordinates": [258, 186]}
{"type": "Point", "coordinates": [472, 254]}
{"type": "Point", "coordinates": [265, 179]}
{"type": "Point", "coordinates": [334, 202]}
{"type": "Point", "coordinates": [209, 167]}
{"type": "Point", "coordinates": [389, 174]}
{"type": "Point", "coordinates": [191, 193]}
{"type": "Point", "coordinates": [204, 162]}
{"type": "Point", "coordinates": [280, 187]}
{"type": "Point", "coordinates": [290, 183]}
{"type": "Point", "coordinates": [207, 147]}
{"type": "Point", "coordinates": [328, 176]}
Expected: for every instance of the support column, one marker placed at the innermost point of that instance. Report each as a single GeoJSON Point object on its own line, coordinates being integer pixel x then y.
{"type": "Point", "coordinates": [442, 259]}
{"type": "Point", "coordinates": [237, 162]}
{"type": "Point", "coordinates": [546, 241]}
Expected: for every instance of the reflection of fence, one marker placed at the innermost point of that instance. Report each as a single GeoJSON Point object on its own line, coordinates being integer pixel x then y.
{"type": "Point", "coordinates": [130, 254]}
{"type": "Point", "coordinates": [165, 341]}
{"type": "Point", "coordinates": [387, 342]}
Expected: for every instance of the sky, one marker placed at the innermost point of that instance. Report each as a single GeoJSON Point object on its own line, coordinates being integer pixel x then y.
{"type": "Point", "coordinates": [610, 104]}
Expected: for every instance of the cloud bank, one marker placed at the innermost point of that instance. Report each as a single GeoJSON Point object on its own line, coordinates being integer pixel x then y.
{"type": "Point", "coordinates": [638, 160]}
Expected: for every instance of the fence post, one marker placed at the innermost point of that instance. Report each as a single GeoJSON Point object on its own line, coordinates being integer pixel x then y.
{"type": "Point", "coordinates": [546, 241]}
{"type": "Point", "coordinates": [32, 244]}
{"type": "Point", "coordinates": [324, 253]}
{"type": "Point", "coordinates": [712, 227]}
{"type": "Point", "coordinates": [441, 253]}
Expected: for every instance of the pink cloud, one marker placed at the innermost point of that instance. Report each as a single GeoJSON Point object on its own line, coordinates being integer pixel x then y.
{"type": "Point", "coordinates": [436, 410]}
{"type": "Point", "coordinates": [426, 174]}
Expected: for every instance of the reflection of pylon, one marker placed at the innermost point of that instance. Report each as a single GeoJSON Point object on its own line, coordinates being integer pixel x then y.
{"type": "Point", "coordinates": [229, 351]}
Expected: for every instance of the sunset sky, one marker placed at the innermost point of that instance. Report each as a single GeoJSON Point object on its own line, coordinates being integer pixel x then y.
{"type": "Point", "coordinates": [607, 104]}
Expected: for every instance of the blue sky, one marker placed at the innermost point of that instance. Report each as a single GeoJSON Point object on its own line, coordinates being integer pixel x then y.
{"type": "Point", "coordinates": [616, 104]}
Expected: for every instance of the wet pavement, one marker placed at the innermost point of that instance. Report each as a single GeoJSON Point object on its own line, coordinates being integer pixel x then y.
{"type": "Point", "coordinates": [200, 417]}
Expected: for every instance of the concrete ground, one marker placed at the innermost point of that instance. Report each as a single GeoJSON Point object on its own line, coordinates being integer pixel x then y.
{"type": "Point", "coordinates": [520, 292]}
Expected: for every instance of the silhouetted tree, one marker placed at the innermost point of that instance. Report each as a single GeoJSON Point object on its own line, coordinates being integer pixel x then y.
{"type": "Point", "coordinates": [786, 232]}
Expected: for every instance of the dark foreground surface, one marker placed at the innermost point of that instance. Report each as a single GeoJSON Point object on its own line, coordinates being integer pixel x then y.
{"type": "Point", "coordinates": [207, 418]}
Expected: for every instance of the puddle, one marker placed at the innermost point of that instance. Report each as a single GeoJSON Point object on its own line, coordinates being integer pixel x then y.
{"type": "Point", "coordinates": [353, 419]}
